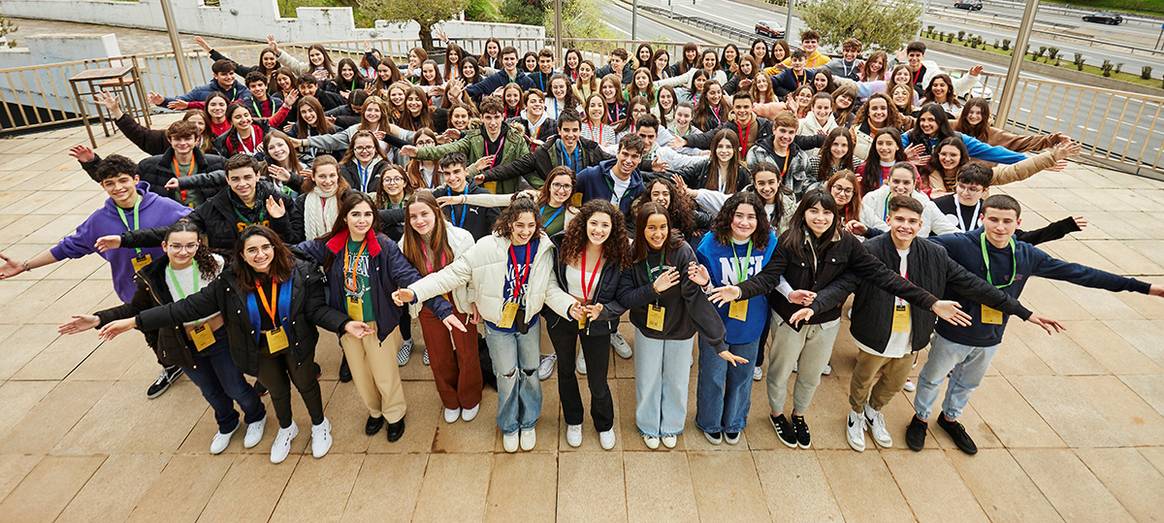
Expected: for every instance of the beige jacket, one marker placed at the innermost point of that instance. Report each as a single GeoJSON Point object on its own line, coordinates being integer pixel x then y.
{"type": "Point", "coordinates": [1003, 174]}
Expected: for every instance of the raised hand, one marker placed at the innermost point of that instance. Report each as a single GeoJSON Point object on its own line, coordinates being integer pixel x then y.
{"type": "Point", "coordinates": [202, 43]}
{"type": "Point", "coordinates": [1067, 149]}
{"type": "Point", "coordinates": [105, 243]}
{"type": "Point", "coordinates": [178, 105]}
{"type": "Point", "coordinates": [114, 329]}
{"type": "Point", "coordinates": [658, 165]}
{"type": "Point", "coordinates": [451, 322]}
{"type": "Point", "coordinates": [952, 312]}
{"type": "Point", "coordinates": [82, 153]}
{"type": "Point", "coordinates": [155, 98]}
{"type": "Point", "coordinates": [698, 274]}
{"type": "Point", "coordinates": [292, 96]}
{"type": "Point", "coordinates": [110, 102]}
{"type": "Point", "coordinates": [403, 297]}
{"type": "Point", "coordinates": [272, 44]}
{"type": "Point", "coordinates": [975, 70]}
{"type": "Point", "coordinates": [279, 173]}
{"type": "Point", "coordinates": [483, 162]}
{"type": "Point", "coordinates": [725, 294]}
{"type": "Point", "coordinates": [79, 323]}
{"type": "Point", "coordinates": [665, 281]}
{"type": "Point", "coordinates": [275, 207]}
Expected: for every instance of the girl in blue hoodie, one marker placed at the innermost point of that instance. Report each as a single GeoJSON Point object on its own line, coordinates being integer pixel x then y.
{"type": "Point", "coordinates": [740, 243]}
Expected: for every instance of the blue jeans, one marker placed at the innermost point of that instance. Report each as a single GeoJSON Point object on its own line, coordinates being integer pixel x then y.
{"type": "Point", "coordinates": [662, 369]}
{"type": "Point", "coordinates": [723, 392]}
{"type": "Point", "coordinates": [968, 364]}
{"type": "Point", "coordinates": [515, 362]}
{"type": "Point", "coordinates": [222, 384]}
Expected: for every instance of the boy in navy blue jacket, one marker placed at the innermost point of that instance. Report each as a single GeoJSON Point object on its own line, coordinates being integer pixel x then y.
{"type": "Point", "coordinates": [617, 180]}
{"type": "Point", "coordinates": [224, 82]}
{"type": "Point", "coordinates": [964, 353]}
{"type": "Point", "coordinates": [509, 74]}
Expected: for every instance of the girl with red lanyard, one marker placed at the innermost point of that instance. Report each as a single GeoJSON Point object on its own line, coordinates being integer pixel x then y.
{"type": "Point", "coordinates": [244, 137]}
{"type": "Point", "coordinates": [712, 110]}
{"type": "Point", "coordinates": [610, 87]}
{"type": "Point", "coordinates": [594, 126]}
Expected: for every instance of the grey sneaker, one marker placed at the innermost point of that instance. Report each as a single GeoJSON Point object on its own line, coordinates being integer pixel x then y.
{"type": "Point", "coordinates": [404, 354]}
{"type": "Point", "coordinates": [546, 367]}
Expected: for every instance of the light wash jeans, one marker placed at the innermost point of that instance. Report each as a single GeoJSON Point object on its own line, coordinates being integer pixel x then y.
{"type": "Point", "coordinates": [515, 362]}
{"type": "Point", "coordinates": [968, 364]}
{"type": "Point", "coordinates": [723, 392]}
{"type": "Point", "coordinates": [662, 371]}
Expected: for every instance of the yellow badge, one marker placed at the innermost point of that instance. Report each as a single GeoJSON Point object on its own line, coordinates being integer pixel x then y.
{"type": "Point", "coordinates": [991, 316]}
{"type": "Point", "coordinates": [508, 314]}
{"type": "Point", "coordinates": [355, 308]}
{"type": "Point", "coordinates": [140, 261]}
{"type": "Point", "coordinates": [201, 335]}
{"type": "Point", "coordinates": [576, 199]}
{"type": "Point", "coordinates": [276, 340]}
{"type": "Point", "coordinates": [491, 187]}
{"type": "Point", "coordinates": [738, 310]}
{"type": "Point", "coordinates": [901, 317]}
{"type": "Point", "coordinates": [655, 315]}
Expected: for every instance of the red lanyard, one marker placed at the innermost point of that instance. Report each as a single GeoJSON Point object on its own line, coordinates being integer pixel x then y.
{"type": "Point", "coordinates": [593, 276]}
{"type": "Point", "coordinates": [323, 204]}
{"type": "Point", "coordinates": [519, 277]}
{"type": "Point", "coordinates": [917, 74]}
{"type": "Point", "coordinates": [744, 134]}
{"type": "Point", "coordinates": [496, 152]}
{"type": "Point", "coordinates": [267, 306]}
{"type": "Point", "coordinates": [591, 127]}
{"type": "Point", "coordinates": [428, 259]}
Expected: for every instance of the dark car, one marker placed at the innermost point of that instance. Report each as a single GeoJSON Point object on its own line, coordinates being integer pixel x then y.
{"type": "Point", "coordinates": [769, 29]}
{"type": "Point", "coordinates": [969, 5]}
{"type": "Point", "coordinates": [1104, 18]}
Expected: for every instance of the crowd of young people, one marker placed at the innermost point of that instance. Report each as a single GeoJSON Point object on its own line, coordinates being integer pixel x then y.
{"type": "Point", "coordinates": [741, 195]}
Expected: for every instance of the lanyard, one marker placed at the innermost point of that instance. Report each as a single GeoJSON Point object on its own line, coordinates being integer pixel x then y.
{"type": "Point", "coordinates": [612, 116]}
{"type": "Point", "coordinates": [973, 218]}
{"type": "Point", "coordinates": [744, 134]}
{"type": "Point", "coordinates": [464, 208]}
{"type": "Point", "coordinates": [249, 151]}
{"type": "Point", "coordinates": [556, 111]}
{"type": "Point", "coordinates": [545, 222]}
{"type": "Point", "coordinates": [136, 219]}
{"type": "Point", "coordinates": [365, 177]}
{"type": "Point", "coordinates": [178, 174]}
{"type": "Point", "coordinates": [848, 69]}
{"type": "Point", "coordinates": [885, 214]}
{"type": "Point", "coordinates": [917, 74]}
{"type": "Point", "coordinates": [743, 267]}
{"type": "Point", "coordinates": [520, 274]}
{"type": "Point", "coordinates": [496, 152]}
{"type": "Point", "coordinates": [651, 272]}
{"type": "Point", "coordinates": [243, 219]}
{"type": "Point", "coordinates": [715, 112]}
{"type": "Point", "coordinates": [258, 110]}
{"type": "Point", "coordinates": [986, 261]}
{"type": "Point", "coordinates": [570, 160]}
{"type": "Point", "coordinates": [428, 259]}
{"type": "Point", "coordinates": [178, 287]}
{"type": "Point", "coordinates": [800, 79]}
{"type": "Point", "coordinates": [590, 126]}
{"type": "Point", "coordinates": [351, 264]}
{"type": "Point", "coordinates": [270, 306]}
{"type": "Point", "coordinates": [593, 276]}
{"type": "Point", "coordinates": [323, 204]}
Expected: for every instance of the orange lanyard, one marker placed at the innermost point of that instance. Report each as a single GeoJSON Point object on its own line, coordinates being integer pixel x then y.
{"type": "Point", "coordinates": [350, 264]}
{"type": "Point", "coordinates": [267, 306]}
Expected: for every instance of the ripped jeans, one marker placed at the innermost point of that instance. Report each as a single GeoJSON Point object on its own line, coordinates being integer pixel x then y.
{"type": "Point", "coordinates": [515, 362]}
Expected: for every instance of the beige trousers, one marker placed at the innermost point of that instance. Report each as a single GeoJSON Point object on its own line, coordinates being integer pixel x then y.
{"type": "Point", "coordinates": [375, 373]}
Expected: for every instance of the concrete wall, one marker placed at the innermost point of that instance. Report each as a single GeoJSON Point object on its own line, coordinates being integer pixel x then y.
{"type": "Point", "coordinates": [247, 19]}
{"type": "Point", "coordinates": [49, 88]}
{"type": "Point", "coordinates": [46, 49]}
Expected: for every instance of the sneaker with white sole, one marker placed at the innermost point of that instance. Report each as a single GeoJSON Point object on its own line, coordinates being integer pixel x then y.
{"type": "Point", "coordinates": [670, 441]}
{"type": "Point", "coordinates": [621, 347]}
{"type": "Point", "coordinates": [606, 439]}
{"type": "Point", "coordinates": [828, 370]}
{"type": "Point", "coordinates": [424, 357]}
{"type": "Point", "coordinates": [875, 420]}
{"type": "Point", "coordinates": [546, 366]}
{"type": "Point", "coordinates": [404, 354]}
{"type": "Point", "coordinates": [574, 435]}
{"type": "Point", "coordinates": [529, 439]}
{"type": "Point", "coordinates": [580, 364]}
{"type": "Point", "coordinates": [509, 441]}
{"type": "Point", "coordinates": [757, 374]}
{"type": "Point", "coordinates": [715, 438]}
{"type": "Point", "coordinates": [281, 447]}
{"type": "Point", "coordinates": [469, 414]}
{"type": "Point", "coordinates": [221, 441]}
{"type": "Point", "coordinates": [451, 415]}
{"type": "Point", "coordinates": [254, 433]}
{"type": "Point", "coordinates": [166, 378]}
{"type": "Point", "coordinates": [855, 431]}
{"type": "Point", "coordinates": [652, 442]}
{"type": "Point", "coordinates": [320, 439]}
{"type": "Point", "coordinates": [909, 386]}
{"type": "Point", "coordinates": [731, 438]}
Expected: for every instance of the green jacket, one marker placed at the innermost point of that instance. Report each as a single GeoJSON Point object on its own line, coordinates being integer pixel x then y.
{"type": "Point", "coordinates": [472, 145]}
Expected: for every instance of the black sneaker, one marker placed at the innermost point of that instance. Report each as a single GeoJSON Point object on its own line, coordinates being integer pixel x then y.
{"type": "Point", "coordinates": [345, 373]}
{"type": "Point", "coordinates": [261, 389]}
{"type": "Point", "coordinates": [715, 438]}
{"type": "Point", "coordinates": [915, 434]}
{"type": "Point", "coordinates": [373, 425]}
{"type": "Point", "coordinates": [396, 430]}
{"type": "Point", "coordinates": [958, 433]}
{"type": "Point", "coordinates": [784, 430]}
{"type": "Point", "coordinates": [803, 438]}
{"type": "Point", "coordinates": [167, 377]}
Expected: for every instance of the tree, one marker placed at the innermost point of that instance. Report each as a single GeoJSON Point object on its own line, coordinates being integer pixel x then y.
{"type": "Point", "coordinates": [426, 13]}
{"type": "Point", "coordinates": [887, 24]}
{"type": "Point", "coordinates": [581, 19]}
{"type": "Point", "coordinates": [529, 12]}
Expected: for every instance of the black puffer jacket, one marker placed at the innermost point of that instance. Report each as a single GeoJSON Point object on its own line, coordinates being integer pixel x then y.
{"type": "Point", "coordinates": [220, 218]}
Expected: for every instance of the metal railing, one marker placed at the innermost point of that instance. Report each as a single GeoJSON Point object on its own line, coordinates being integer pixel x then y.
{"type": "Point", "coordinates": [1117, 127]}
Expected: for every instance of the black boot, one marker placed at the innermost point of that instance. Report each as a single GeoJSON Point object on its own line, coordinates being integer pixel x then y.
{"type": "Point", "coordinates": [396, 431]}
{"type": "Point", "coordinates": [345, 373]}
{"type": "Point", "coordinates": [374, 425]}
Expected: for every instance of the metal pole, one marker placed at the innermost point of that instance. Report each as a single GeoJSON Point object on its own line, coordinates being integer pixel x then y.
{"type": "Point", "coordinates": [925, 7]}
{"type": "Point", "coordinates": [558, 30]}
{"type": "Point", "coordinates": [179, 58]}
{"type": "Point", "coordinates": [788, 23]}
{"type": "Point", "coordinates": [1016, 62]}
{"type": "Point", "coordinates": [634, 19]}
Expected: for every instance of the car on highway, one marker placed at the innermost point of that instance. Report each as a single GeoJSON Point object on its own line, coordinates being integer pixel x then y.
{"type": "Point", "coordinates": [769, 29]}
{"type": "Point", "coordinates": [969, 5]}
{"type": "Point", "coordinates": [1104, 18]}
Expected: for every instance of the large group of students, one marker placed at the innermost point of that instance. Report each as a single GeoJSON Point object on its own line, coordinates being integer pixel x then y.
{"type": "Point", "coordinates": [737, 194]}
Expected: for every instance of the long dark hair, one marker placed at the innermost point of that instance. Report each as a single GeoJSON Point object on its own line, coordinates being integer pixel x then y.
{"type": "Point", "coordinates": [733, 165]}
{"type": "Point", "coordinates": [615, 249]}
{"type": "Point", "coordinates": [721, 227]}
{"type": "Point", "coordinates": [207, 265]}
{"type": "Point", "coordinates": [414, 245]}
{"type": "Point", "coordinates": [644, 212]}
{"type": "Point", "coordinates": [872, 178]}
{"type": "Point", "coordinates": [347, 202]}
{"type": "Point", "coordinates": [944, 130]}
{"type": "Point", "coordinates": [794, 238]}
{"type": "Point", "coordinates": [935, 165]}
{"type": "Point", "coordinates": [781, 189]}
{"type": "Point", "coordinates": [982, 129]}
{"type": "Point", "coordinates": [852, 211]}
{"type": "Point", "coordinates": [281, 263]}
{"type": "Point", "coordinates": [951, 97]}
{"type": "Point", "coordinates": [504, 225]}
{"type": "Point", "coordinates": [826, 153]}
{"type": "Point", "coordinates": [357, 82]}
{"type": "Point", "coordinates": [681, 209]}
{"type": "Point", "coordinates": [322, 124]}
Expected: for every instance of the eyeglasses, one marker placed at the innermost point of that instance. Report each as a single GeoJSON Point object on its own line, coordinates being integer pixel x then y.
{"type": "Point", "coordinates": [365, 147]}
{"type": "Point", "coordinates": [842, 190]}
{"type": "Point", "coordinates": [968, 189]}
{"type": "Point", "coordinates": [394, 179]}
{"type": "Point", "coordinates": [561, 187]}
{"type": "Point", "coordinates": [178, 247]}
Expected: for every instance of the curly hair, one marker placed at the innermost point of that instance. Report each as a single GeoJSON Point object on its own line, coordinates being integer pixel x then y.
{"type": "Point", "coordinates": [681, 210]}
{"type": "Point", "coordinates": [616, 248]}
{"type": "Point", "coordinates": [207, 265]}
{"type": "Point", "coordinates": [520, 204]}
{"type": "Point", "coordinates": [721, 227]}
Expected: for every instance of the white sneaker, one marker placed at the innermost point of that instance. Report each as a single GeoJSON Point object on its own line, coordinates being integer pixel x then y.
{"type": "Point", "coordinates": [606, 439]}
{"type": "Point", "coordinates": [451, 415]}
{"type": "Point", "coordinates": [509, 441]}
{"type": "Point", "coordinates": [281, 447]}
{"type": "Point", "coordinates": [855, 431]}
{"type": "Point", "coordinates": [652, 442]}
{"type": "Point", "coordinates": [320, 439]}
{"type": "Point", "coordinates": [221, 441]}
{"type": "Point", "coordinates": [909, 386]}
{"type": "Point", "coordinates": [469, 414]}
{"type": "Point", "coordinates": [255, 433]}
{"type": "Point", "coordinates": [546, 366]}
{"type": "Point", "coordinates": [621, 347]}
{"type": "Point", "coordinates": [757, 374]}
{"type": "Point", "coordinates": [580, 364]}
{"type": "Point", "coordinates": [670, 441]}
{"type": "Point", "coordinates": [529, 438]}
{"type": "Point", "coordinates": [828, 370]}
{"type": "Point", "coordinates": [574, 435]}
{"type": "Point", "coordinates": [876, 422]}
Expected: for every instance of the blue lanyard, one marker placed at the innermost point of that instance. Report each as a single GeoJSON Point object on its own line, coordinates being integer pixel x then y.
{"type": "Point", "coordinates": [553, 217]}
{"type": "Point", "coordinates": [464, 208]}
{"type": "Point", "coordinates": [364, 173]}
{"type": "Point", "coordinates": [571, 160]}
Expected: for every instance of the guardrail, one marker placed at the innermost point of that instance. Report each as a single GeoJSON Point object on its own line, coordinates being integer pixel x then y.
{"type": "Point", "coordinates": [1067, 10]}
{"type": "Point", "coordinates": [1117, 127]}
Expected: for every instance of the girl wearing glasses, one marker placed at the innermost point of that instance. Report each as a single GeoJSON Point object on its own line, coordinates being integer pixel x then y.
{"type": "Point", "coordinates": [364, 163]}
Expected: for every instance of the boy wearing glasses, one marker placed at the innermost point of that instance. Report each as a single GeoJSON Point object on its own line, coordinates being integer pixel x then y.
{"type": "Point", "coordinates": [962, 207]}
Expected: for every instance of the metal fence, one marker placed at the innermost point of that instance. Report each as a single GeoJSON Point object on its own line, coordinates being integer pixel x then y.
{"type": "Point", "coordinates": [1116, 127]}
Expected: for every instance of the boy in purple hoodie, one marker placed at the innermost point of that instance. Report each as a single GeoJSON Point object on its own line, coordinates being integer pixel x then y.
{"type": "Point", "coordinates": [130, 206]}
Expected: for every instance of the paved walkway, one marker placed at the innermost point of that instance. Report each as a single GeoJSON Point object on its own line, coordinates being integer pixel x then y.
{"type": "Point", "coordinates": [1070, 427]}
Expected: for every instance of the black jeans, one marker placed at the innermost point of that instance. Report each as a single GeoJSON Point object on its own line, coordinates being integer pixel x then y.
{"type": "Point", "coordinates": [277, 373]}
{"type": "Point", "coordinates": [564, 335]}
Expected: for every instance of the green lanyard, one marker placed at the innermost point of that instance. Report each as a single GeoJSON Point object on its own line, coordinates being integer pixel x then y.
{"type": "Point", "coordinates": [136, 219]}
{"type": "Point", "coordinates": [742, 267]}
{"type": "Point", "coordinates": [243, 219]}
{"type": "Point", "coordinates": [986, 261]}
{"type": "Point", "coordinates": [178, 287]}
{"type": "Point", "coordinates": [659, 269]}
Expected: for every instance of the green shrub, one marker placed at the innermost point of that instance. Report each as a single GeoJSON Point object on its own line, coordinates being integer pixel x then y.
{"type": "Point", "coordinates": [1006, 44]}
{"type": "Point", "coordinates": [1146, 72]}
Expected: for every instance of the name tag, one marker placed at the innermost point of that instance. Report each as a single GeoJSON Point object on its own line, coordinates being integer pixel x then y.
{"type": "Point", "coordinates": [355, 308]}
{"type": "Point", "coordinates": [738, 310]}
{"type": "Point", "coordinates": [202, 336]}
{"type": "Point", "coordinates": [276, 340]}
{"type": "Point", "coordinates": [491, 187]}
{"type": "Point", "coordinates": [901, 318]}
{"type": "Point", "coordinates": [139, 262]}
{"type": "Point", "coordinates": [655, 315]}
{"type": "Point", "coordinates": [991, 316]}
{"type": "Point", "coordinates": [576, 199]}
{"type": "Point", "coordinates": [508, 315]}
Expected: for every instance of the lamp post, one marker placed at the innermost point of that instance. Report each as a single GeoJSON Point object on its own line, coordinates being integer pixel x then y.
{"type": "Point", "coordinates": [1016, 61]}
